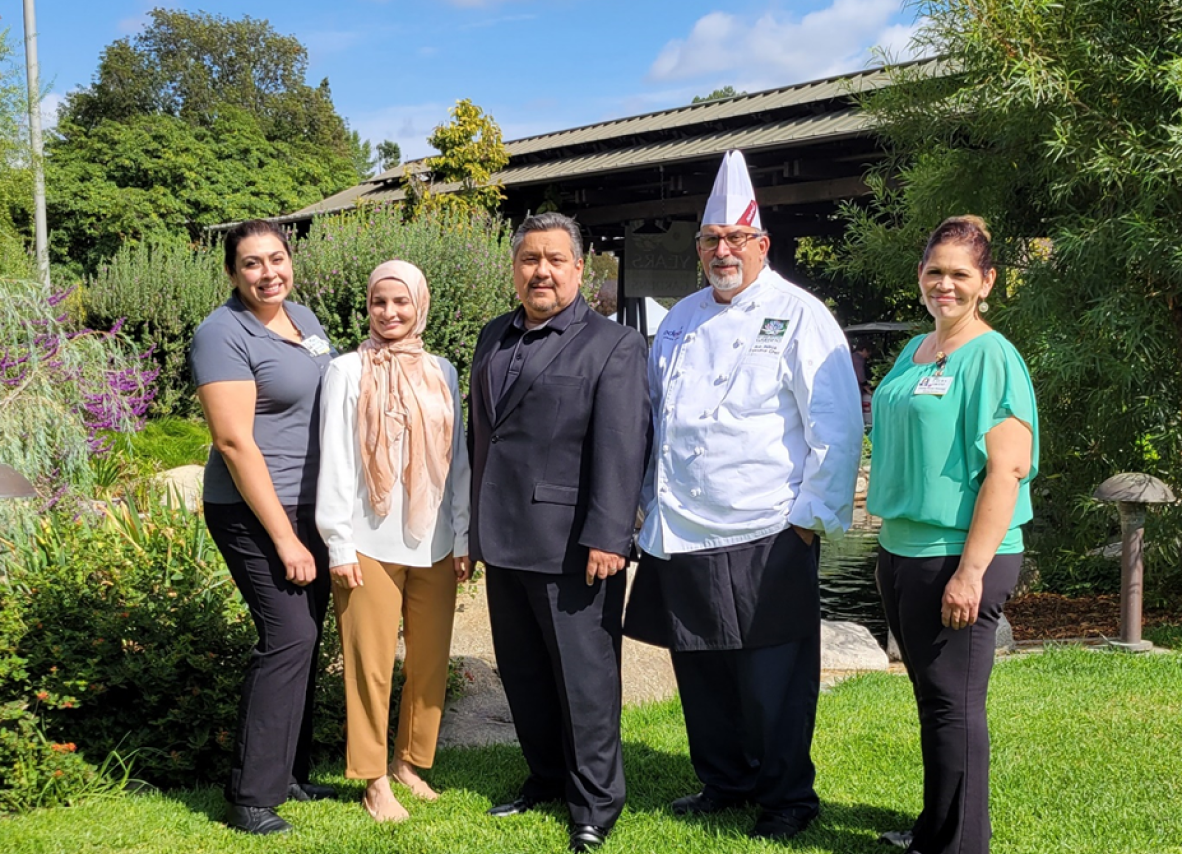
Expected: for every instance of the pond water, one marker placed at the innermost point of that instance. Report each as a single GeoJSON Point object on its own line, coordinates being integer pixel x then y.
{"type": "Point", "coordinates": [848, 591]}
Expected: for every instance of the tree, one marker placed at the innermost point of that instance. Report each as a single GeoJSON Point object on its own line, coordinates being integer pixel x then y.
{"type": "Point", "coordinates": [724, 92]}
{"type": "Point", "coordinates": [16, 178]}
{"type": "Point", "coordinates": [190, 65]}
{"type": "Point", "coordinates": [158, 175]}
{"type": "Point", "coordinates": [1060, 123]}
{"type": "Point", "coordinates": [361, 153]}
{"type": "Point", "coordinates": [197, 120]}
{"type": "Point", "coordinates": [460, 176]}
{"type": "Point", "coordinates": [389, 154]}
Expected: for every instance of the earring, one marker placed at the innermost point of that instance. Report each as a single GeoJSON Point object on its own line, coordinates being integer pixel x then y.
{"type": "Point", "coordinates": [982, 306]}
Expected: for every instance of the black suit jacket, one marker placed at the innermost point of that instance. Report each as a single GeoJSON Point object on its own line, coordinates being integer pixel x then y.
{"type": "Point", "coordinates": [557, 469]}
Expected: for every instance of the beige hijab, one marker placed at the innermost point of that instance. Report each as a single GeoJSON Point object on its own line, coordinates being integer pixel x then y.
{"type": "Point", "coordinates": [404, 412]}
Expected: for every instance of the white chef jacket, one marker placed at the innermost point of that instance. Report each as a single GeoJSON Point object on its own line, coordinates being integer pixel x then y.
{"type": "Point", "coordinates": [758, 420]}
{"type": "Point", "coordinates": [344, 516]}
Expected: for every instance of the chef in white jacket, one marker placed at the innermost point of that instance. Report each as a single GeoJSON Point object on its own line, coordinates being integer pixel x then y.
{"type": "Point", "coordinates": [758, 434]}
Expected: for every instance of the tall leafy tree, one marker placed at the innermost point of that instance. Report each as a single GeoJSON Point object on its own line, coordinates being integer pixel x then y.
{"type": "Point", "coordinates": [460, 177]}
{"type": "Point", "coordinates": [16, 180]}
{"type": "Point", "coordinates": [389, 154]}
{"type": "Point", "coordinates": [1061, 123]}
{"type": "Point", "coordinates": [197, 120]}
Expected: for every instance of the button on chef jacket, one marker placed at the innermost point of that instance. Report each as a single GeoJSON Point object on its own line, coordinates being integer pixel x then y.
{"type": "Point", "coordinates": [734, 459]}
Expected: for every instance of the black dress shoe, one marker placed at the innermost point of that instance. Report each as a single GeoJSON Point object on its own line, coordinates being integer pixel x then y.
{"type": "Point", "coordinates": [587, 837]}
{"type": "Point", "coordinates": [515, 807]}
{"type": "Point", "coordinates": [702, 804]}
{"type": "Point", "coordinates": [257, 820]}
{"type": "Point", "coordinates": [781, 826]}
{"type": "Point", "coordinates": [309, 792]}
{"type": "Point", "coordinates": [898, 838]}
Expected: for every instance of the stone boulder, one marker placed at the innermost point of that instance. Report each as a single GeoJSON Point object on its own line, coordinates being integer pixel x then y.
{"type": "Point", "coordinates": [184, 483]}
{"type": "Point", "coordinates": [849, 646]}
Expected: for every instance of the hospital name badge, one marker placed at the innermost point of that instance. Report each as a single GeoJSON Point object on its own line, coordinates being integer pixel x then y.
{"type": "Point", "coordinates": [934, 385]}
{"type": "Point", "coordinates": [316, 345]}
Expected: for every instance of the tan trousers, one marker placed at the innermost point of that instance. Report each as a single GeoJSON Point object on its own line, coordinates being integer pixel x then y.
{"type": "Point", "coordinates": [368, 617]}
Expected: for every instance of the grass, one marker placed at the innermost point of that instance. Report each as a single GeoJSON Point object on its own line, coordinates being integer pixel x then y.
{"type": "Point", "coordinates": [1086, 749]}
{"type": "Point", "coordinates": [170, 442]}
{"type": "Point", "coordinates": [1167, 636]}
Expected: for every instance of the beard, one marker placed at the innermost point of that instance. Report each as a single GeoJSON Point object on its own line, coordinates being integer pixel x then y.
{"type": "Point", "coordinates": [725, 277]}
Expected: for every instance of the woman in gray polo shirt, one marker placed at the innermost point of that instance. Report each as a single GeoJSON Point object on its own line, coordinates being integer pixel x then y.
{"type": "Point", "coordinates": [258, 361]}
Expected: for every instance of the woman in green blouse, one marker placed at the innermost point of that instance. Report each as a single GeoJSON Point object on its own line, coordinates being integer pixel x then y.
{"type": "Point", "coordinates": [955, 448]}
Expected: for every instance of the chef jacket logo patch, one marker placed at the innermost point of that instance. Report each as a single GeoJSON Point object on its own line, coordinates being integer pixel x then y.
{"type": "Point", "coordinates": [672, 333]}
{"type": "Point", "coordinates": [773, 328]}
{"type": "Point", "coordinates": [771, 338]}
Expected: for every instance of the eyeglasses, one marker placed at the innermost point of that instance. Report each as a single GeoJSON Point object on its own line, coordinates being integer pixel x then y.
{"type": "Point", "coordinates": [735, 240]}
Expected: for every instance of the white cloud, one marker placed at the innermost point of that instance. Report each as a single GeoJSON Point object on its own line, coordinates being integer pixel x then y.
{"type": "Point", "coordinates": [775, 49]}
{"type": "Point", "coordinates": [895, 43]}
{"type": "Point", "coordinates": [49, 106]}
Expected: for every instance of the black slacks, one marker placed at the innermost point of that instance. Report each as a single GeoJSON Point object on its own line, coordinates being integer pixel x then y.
{"type": "Point", "coordinates": [949, 670]}
{"type": "Point", "coordinates": [274, 740]}
{"type": "Point", "coordinates": [557, 643]}
{"type": "Point", "coordinates": [750, 715]}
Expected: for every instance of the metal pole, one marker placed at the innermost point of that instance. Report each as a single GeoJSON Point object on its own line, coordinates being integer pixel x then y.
{"type": "Point", "coordinates": [41, 232]}
{"type": "Point", "coordinates": [1132, 575]}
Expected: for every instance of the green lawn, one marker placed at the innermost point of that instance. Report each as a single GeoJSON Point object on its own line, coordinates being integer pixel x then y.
{"type": "Point", "coordinates": [1087, 758]}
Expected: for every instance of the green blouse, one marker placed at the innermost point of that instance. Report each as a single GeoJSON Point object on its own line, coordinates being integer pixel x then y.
{"type": "Point", "coordinates": [929, 457]}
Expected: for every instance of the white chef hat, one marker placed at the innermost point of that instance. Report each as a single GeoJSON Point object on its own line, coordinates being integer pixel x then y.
{"type": "Point", "coordinates": [732, 201]}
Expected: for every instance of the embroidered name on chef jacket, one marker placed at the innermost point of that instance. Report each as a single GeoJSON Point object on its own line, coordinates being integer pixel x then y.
{"type": "Point", "coordinates": [771, 337]}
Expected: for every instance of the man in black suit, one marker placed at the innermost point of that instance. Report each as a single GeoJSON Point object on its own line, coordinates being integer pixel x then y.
{"type": "Point", "coordinates": [558, 432]}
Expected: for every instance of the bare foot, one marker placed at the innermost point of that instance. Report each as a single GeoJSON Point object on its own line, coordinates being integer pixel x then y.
{"type": "Point", "coordinates": [380, 803]}
{"type": "Point", "coordinates": [406, 774]}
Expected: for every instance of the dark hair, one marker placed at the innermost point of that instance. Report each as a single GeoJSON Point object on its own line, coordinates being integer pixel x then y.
{"type": "Point", "coordinates": [550, 221]}
{"type": "Point", "coordinates": [250, 228]}
{"type": "Point", "coordinates": [967, 230]}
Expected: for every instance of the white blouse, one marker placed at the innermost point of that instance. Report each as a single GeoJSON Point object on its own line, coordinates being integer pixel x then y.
{"type": "Point", "coordinates": [344, 516]}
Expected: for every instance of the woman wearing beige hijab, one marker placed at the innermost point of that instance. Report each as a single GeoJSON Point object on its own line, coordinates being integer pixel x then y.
{"type": "Point", "coordinates": [392, 505]}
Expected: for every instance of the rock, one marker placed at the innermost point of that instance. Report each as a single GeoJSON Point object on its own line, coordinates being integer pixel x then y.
{"type": "Point", "coordinates": [849, 646]}
{"type": "Point", "coordinates": [1005, 640]}
{"type": "Point", "coordinates": [184, 482]}
{"type": "Point", "coordinates": [481, 714]}
{"type": "Point", "coordinates": [1005, 636]}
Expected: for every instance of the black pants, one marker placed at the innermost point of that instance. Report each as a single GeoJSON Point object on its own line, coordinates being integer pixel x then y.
{"type": "Point", "coordinates": [275, 716]}
{"type": "Point", "coordinates": [749, 715]}
{"type": "Point", "coordinates": [949, 670]}
{"type": "Point", "coordinates": [557, 643]}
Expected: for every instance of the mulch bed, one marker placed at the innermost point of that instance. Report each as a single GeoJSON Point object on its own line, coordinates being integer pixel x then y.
{"type": "Point", "coordinates": [1049, 616]}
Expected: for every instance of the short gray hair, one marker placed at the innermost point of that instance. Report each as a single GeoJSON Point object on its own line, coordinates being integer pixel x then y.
{"type": "Point", "coordinates": [549, 221]}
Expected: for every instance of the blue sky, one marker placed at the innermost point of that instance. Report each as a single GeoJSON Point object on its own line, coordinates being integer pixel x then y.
{"type": "Point", "coordinates": [536, 66]}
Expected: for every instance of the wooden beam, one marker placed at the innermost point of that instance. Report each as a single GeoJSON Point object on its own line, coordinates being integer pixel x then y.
{"type": "Point", "coordinates": [783, 194]}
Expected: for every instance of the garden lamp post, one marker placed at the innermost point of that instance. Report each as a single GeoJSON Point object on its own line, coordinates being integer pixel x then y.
{"type": "Point", "coordinates": [13, 484]}
{"type": "Point", "coordinates": [1132, 492]}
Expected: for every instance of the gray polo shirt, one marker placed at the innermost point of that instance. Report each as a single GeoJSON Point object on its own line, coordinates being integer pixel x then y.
{"type": "Point", "coordinates": [232, 344]}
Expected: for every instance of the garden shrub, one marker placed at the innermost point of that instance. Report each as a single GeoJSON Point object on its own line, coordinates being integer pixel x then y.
{"type": "Point", "coordinates": [126, 634]}
{"type": "Point", "coordinates": [36, 772]}
{"type": "Point", "coordinates": [160, 289]}
{"type": "Point", "coordinates": [63, 389]}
